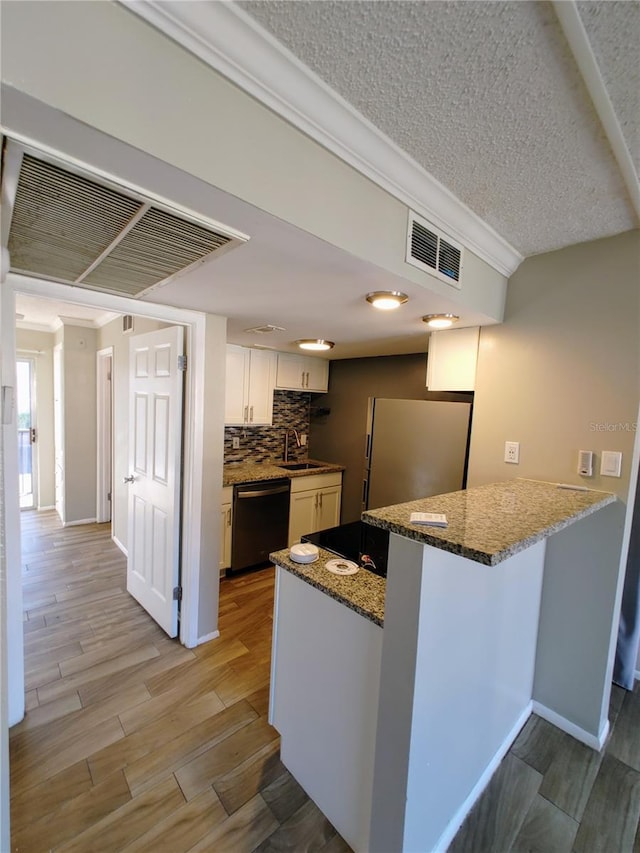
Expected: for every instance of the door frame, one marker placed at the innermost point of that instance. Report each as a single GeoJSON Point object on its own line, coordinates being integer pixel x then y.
{"type": "Point", "coordinates": [58, 428]}
{"type": "Point", "coordinates": [33, 418]}
{"type": "Point", "coordinates": [104, 436]}
{"type": "Point", "coordinates": [195, 324]}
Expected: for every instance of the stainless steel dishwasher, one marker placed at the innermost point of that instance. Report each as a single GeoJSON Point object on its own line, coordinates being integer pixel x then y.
{"type": "Point", "coordinates": [260, 521]}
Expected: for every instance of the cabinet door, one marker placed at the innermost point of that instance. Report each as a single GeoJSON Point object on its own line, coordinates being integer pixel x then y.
{"type": "Point", "coordinates": [451, 360]}
{"type": "Point", "coordinates": [328, 512]}
{"type": "Point", "coordinates": [302, 515]}
{"type": "Point", "coordinates": [261, 383]}
{"type": "Point", "coordinates": [317, 378]}
{"type": "Point", "coordinates": [236, 385]}
{"type": "Point", "coordinates": [291, 372]}
{"type": "Point", "coordinates": [225, 536]}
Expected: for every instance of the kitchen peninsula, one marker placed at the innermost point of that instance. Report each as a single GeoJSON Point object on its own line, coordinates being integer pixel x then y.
{"type": "Point", "coordinates": [396, 705]}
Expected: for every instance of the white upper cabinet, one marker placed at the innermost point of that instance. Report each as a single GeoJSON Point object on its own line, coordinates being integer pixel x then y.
{"type": "Point", "coordinates": [250, 380]}
{"type": "Point", "coordinates": [452, 359]}
{"type": "Point", "coordinates": [298, 373]}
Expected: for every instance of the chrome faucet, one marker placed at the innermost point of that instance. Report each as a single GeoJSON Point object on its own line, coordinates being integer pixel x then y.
{"type": "Point", "coordinates": [286, 442]}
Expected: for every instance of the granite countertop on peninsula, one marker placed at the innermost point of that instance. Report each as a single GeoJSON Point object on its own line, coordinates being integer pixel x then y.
{"type": "Point", "coordinates": [363, 592]}
{"type": "Point", "coordinates": [490, 523]}
{"type": "Point", "coordinates": [249, 472]}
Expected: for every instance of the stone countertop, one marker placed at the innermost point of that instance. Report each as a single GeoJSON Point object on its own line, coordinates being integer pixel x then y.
{"type": "Point", "coordinates": [490, 523]}
{"type": "Point", "coordinates": [248, 472]}
{"type": "Point", "coordinates": [363, 592]}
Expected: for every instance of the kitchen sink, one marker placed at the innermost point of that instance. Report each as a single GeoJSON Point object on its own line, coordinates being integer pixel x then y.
{"type": "Point", "coordinates": [299, 466]}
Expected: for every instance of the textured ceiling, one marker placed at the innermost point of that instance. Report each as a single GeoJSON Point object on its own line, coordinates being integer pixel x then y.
{"type": "Point", "coordinates": [487, 98]}
{"type": "Point", "coordinates": [610, 26]}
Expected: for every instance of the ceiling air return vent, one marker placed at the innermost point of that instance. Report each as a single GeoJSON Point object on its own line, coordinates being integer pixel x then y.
{"type": "Point", "coordinates": [68, 227]}
{"type": "Point", "coordinates": [434, 252]}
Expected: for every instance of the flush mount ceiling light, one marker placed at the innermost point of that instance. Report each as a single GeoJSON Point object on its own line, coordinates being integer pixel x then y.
{"type": "Point", "coordinates": [387, 300]}
{"type": "Point", "coordinates": [440, 321]}
{"type": "Point", "coordinates": [315, 344]}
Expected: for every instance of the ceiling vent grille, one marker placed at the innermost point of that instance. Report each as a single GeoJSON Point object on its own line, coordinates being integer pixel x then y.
{"type": "Point", "coordinates": [431, 251]}
{"type": "Point", "coordinates": [69, 228]}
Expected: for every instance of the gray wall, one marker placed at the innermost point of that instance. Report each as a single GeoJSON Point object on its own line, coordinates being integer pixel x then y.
{"type": "Point", "coordinates": [562, 374]}
{"type": "Point", "coordinates": [79, 411]}
{"type": "Point", "coordinates": [42, 342]}
{"type": "Point", "coordinates": [340, 436]}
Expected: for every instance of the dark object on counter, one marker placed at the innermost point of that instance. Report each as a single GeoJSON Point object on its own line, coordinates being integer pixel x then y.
{"type": "Point", "coordinates": [359, 542]}
{"type": "Point", "coordinates": [260, 522]}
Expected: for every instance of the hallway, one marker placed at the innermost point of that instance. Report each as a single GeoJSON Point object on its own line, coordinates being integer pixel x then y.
{"type": "Point", "coordinates": [132, 742]}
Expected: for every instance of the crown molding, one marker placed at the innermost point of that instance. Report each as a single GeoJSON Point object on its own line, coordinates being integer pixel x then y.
{"type": "Point", "coordinates": [232, 43]}
{"type": "Point", "coordinates": [578, 40]}
{"type": "Point", "coordinates": [49, 328]}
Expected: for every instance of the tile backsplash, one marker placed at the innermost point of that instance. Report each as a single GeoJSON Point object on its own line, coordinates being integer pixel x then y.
{"type": "Point", "coordinates": [259, 444]}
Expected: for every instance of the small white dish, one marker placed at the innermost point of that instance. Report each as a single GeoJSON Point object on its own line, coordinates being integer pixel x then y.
{"type": "Point", "coordinates": [304, 552]}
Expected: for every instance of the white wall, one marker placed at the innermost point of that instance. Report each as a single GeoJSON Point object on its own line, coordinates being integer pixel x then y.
{"type": "Point", "coordinates": [111, 336]}
{"type": "Point", "coordinates": [31, 341]}
{"type": "Point", "coordinates": [131, 99]}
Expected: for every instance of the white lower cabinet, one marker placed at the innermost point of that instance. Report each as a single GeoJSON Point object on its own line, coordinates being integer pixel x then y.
{"type": "Point", "coordinates": [315, 504]}
{"type": "Point", "coordinates": [225, 527]}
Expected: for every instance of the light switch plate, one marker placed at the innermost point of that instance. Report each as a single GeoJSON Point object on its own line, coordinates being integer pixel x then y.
{"type": "Point", "coordinates": [611, 463]}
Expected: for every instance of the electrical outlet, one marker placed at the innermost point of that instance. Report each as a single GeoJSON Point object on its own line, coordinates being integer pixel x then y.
{"type": "Point", "coordinates": [303, 438]}
{"type": "Point", "coordinates": [235, 442]}
{"type": "Point", "coordinates": [512, 452]}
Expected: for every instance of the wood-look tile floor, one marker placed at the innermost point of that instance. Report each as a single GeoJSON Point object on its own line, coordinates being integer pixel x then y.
{"type": "Point", "coordinates": [552, 794]}
{"type": "Point", "coordinates": [132, 742]}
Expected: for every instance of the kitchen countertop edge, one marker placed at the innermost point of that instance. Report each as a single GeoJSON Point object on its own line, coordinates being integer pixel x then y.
{"type": "Point", "coordinates": [363, 592]}
{"type": "Point", "coordinates": [250, 472]}
{"type": "Point", "coordinates": [579, 503]}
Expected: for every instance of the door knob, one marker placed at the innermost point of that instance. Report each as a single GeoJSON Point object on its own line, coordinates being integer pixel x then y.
{"type": "Point", "coordinates": [128, 479]}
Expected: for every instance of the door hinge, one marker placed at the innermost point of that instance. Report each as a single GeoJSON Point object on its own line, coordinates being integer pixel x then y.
{"type": "Point", "coordinates": [177, 593]}
{"type": "Point", "coordinates": [182, 362]}
{"type": "Point", "coordinates": [108, 496]}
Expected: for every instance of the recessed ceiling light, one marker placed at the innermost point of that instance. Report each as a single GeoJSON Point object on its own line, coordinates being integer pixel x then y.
{"type": "Point", "coordinates": [315, 344]}
{"type": "Point", "coordinates": [387, 300]}
{"type": "Point", "coordinates": [440, 321]}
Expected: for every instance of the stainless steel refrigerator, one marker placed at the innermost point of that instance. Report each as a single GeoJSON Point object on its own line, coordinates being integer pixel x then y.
{"type": "Point", "coordinates": [415, 448]}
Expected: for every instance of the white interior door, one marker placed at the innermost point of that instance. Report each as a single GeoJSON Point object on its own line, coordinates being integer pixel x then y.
{"type": "Point", "coordinates": [155, 433]}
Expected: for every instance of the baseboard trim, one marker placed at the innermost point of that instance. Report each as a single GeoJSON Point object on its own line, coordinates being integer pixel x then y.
{"type": "Point", "coordinates": [43, 508]}
{"type": "Point", "coordinates": [120, 545]}
{"type": "Point", "coordinates": [78, 522]}
{"type": "Point", "coordinates": [594, 741]}
{"type": "Point", "coordinates": [458, 819]}
{"type": "Point", "coordinates": [212, 636]}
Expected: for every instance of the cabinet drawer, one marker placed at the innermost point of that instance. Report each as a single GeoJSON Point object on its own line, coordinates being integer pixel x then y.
{"type": "Point", "coordinates": [315, 481]}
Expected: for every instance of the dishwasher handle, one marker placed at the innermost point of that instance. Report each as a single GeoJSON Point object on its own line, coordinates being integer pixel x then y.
{"type": "Point", "coordinates": [262, 493]}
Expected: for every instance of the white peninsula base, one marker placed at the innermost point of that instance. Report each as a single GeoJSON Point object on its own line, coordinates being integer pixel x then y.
{"type": "Point", "coordinates": [325, 677]}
